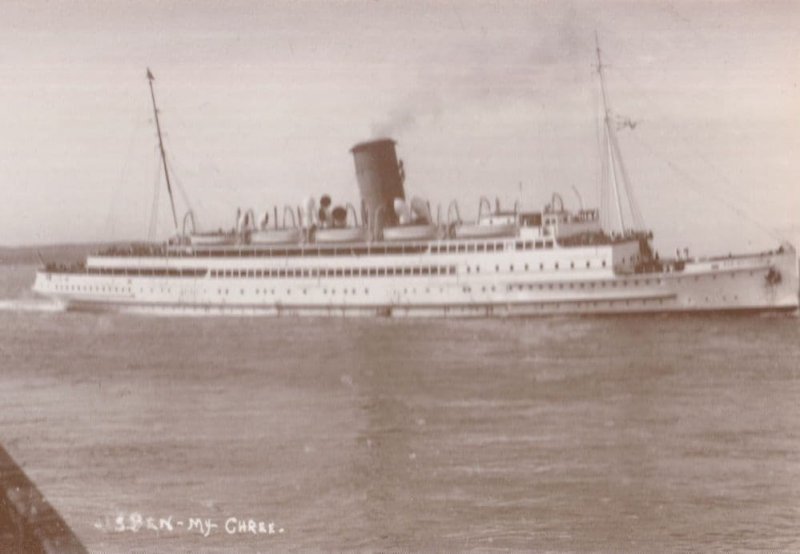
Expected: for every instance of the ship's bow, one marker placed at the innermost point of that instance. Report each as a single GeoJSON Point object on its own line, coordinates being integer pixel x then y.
{"type": "Point", "coordinates": [784, 278]}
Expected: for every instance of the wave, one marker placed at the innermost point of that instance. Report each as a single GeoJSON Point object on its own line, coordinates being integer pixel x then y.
{"type": "Point", "coordinates": [30, 305]}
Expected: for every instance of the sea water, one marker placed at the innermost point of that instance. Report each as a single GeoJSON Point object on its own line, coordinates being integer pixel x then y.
{"type": "Point", "coordinates": [236, 434]}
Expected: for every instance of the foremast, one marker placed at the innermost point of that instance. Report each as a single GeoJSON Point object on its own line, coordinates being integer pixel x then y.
{"type": "Point", "coordinates": [614, 169]}
{"type": "Point", "coordinates": [150, 80]}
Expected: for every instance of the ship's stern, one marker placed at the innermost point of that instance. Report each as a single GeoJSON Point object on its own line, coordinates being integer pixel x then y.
{"type": "Point", "coordinates": [45, 285]}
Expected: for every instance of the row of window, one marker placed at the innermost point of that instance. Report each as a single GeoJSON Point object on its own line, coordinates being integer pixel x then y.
{"type": "Point", "coordinates": [94, 288]}
{"type": "Point", "coordinates": [492, 288]}
{"type": "Point", "coordinates": [305, 272]}
{"type": "Point", "coordinates": [335, 272]}
{"type": "Point", "coordinates": [527, 267]}
{"type": "Point", "coordinates": [148, 272]}
{"type": "Point", "coordinates": [488, 246]}
{"type": "Point", "coordinates": [344, 250]}
{"type": "Point", "coordinates": [562, 286]}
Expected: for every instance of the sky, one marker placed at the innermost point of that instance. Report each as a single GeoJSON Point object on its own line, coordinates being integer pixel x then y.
{"type": "Point", "coordinates": [260, 103]}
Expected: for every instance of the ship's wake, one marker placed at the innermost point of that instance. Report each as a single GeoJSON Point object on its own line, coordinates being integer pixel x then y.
{"type": "Point", "coordinates": [30, 305]}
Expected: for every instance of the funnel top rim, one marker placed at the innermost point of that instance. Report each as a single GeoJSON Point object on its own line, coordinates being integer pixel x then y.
{"type": "Point", "coordinates": [370, 143]}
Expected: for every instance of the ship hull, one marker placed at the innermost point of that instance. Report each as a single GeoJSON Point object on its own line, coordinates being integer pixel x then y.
{"type": "Point", "coordinates": [761, 282]}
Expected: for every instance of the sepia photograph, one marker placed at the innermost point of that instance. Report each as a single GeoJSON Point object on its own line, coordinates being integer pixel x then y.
{"type": "Point", "coordinates": [409, 276]}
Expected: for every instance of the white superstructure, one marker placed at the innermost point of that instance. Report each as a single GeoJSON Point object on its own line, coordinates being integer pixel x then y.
{"type": "Point", "coordinates": [509, 276]}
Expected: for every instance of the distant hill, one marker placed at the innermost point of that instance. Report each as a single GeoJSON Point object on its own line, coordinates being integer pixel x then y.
{"type": "Point", "coordinates": [56, 253]}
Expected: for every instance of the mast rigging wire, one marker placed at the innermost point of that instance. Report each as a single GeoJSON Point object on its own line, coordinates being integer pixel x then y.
{"type": "Point", "coordinates": [692, 148]}
{"type": "Point", "coordinates": [697, 189]}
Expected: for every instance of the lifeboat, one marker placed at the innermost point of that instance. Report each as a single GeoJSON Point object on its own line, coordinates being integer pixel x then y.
{"type": "Point", "coordinates": [490, 224]}
{"type": "Point", "coordinates": [479, 230]}
{"type": "Point", "coordinates": [211, 239]}
{"type": "Point", "coordinates": [287, 235]}
{"type": "Point", "coordinates": [410, 232]}
{"type": "Point", "coordinates": [341, 234]}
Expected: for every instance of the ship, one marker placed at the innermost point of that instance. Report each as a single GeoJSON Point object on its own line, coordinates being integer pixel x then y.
{"type": "Point", "coordinates": [392, 256]}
